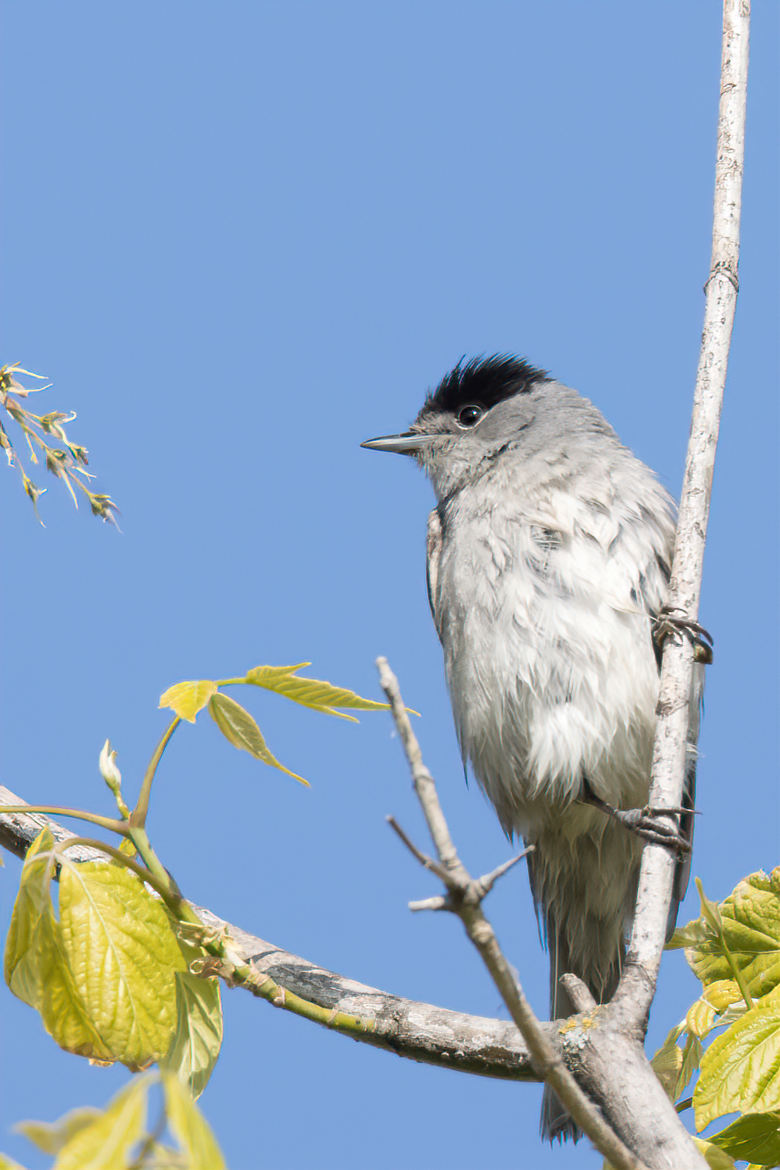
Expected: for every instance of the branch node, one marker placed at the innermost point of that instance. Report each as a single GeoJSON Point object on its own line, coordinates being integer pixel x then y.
{"type": "Point", "coordinates": [723, 268]}
{"type": "Point", "coordinates": [483, 885]}
{"type": "Point", "coordinates": [451, 882]}
{"type": "Point", "coordinates": [578, 993]}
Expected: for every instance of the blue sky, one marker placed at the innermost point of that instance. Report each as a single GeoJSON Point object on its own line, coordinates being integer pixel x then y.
{"type": "Point", "coordinates": [240, 238]}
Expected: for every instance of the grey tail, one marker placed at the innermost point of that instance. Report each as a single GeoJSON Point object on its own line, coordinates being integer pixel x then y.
{"type": "Point", "coordinates": [556, 1123]}
{"type": "Point", "coordinates": [682, 870]}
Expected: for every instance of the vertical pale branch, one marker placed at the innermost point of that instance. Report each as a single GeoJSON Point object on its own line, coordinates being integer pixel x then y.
{"type": "Point", "coordinates": [669, 753]}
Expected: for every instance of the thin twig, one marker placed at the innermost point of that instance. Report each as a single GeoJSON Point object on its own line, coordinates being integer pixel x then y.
{"type": "Point", "coordinates": [637, 986]}
{"type": "Point", "coordinates": [464, 898]}
{"type": "Point", "coordinates": [421, 777]}
{"type": "Point", "coordinates": [437, 902]}
{"type": "Point", "coordinates": [425, 861]}
{"type": "Point", "coordinates": [485, 884]}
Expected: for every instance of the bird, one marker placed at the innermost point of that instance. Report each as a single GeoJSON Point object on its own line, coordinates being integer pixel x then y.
{"type": "Point", "coordinates": [548, 566]}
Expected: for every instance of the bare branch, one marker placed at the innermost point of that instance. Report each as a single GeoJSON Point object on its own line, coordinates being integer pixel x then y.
{"type": "Point", "coordinates": [464, 898]}
{"type": "Point", "coordinates": [418, 1031]}
{"type": "Point", "coordinates": [637, 986]}
{"type": "Point", "coordinates": [421, 777]}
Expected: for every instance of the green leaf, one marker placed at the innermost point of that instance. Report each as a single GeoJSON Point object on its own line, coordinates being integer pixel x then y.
{"type": "Point", "coordinates": [25, 972]}
{"type": "Point", "coordinates": [36, 968]}
{"type": "Point", "coordinates": [311, 692]}
{"type": "Point", "coordinates": [123, 953]}
{"type": "Point", "coordinates": [186, 699]}
{"type": "Point", "coordinates": [700, 1018]}
{"type": "Point", "coordinates": [752, 1138]}
{"type": "Point", "coordinates": [103, 977]}
{"type": "Point", "coordinates": [674, 1066]}
{"type": "Point", "coordinates": [7, 1163]}
{"type": "Point", "coordinates": [667, 1064]}
{"type": "Point", "coordinates": [198, 1036]}
{"type": "Point", "coordinates": [188, 1125]}
{"type": "Point", "coordinates": [105, 1143]}
{"type": "Point", "coordinates": [690, 1062]}
{"type": "Point", "coordinates": [240, 729]}
{"type": "Point", "coordinates": [740, 1071]}
{"type": "Point", "coordinates": [716, 1159]}
{"type": "Point", "coordinates": [162, 1157]}
{"type": "Point", "coordinates": [690, 935]}
{"type": "Point", "coordinates": [61, 1008]}
{"type": "Point", "coordinates": [710, 911]}
{"type": "Point", "coordinates": [52, 1136]}
{"type": "Point", "coordinates": [750, 919]}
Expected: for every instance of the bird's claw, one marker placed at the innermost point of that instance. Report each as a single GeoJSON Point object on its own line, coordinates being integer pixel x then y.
{"type": "Point", "coordinates": [672, 623]}
{"type": "Point", "coordinates": [651, 825]}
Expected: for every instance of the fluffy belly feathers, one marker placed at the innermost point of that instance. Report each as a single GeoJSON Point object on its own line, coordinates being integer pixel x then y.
{"type": "Point", "coordinates": [571, 654]}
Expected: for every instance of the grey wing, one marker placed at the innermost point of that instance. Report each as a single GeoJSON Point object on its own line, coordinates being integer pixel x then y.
{"type": "Point", "coordinates": [433, 550]}
{"type": "Point", "coordinates": [434, 544]}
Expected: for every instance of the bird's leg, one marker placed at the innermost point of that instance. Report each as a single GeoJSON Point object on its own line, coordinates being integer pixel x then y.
{"type": "Point", "coordinates": [672, 623]}
{"type": "Point", "coordinates": [649, 823]}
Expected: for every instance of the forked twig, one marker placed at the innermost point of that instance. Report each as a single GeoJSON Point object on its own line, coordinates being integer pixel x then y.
{"type": "Point", "coordinates": [464, 898]}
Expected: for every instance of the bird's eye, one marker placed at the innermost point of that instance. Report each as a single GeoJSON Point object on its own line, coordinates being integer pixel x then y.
{"type": "Point", "coordinates": [469, 416]}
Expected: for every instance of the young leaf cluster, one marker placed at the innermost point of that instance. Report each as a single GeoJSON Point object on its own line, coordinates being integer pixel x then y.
{"type": "Point", "coordinates": [67, 462]}
{"type": "Point", "coordinates": [119, 965]}
{"type": "Point", "coordinates": [110, 975]}
{"type": "Point", "coordinates": [730, 1037]}
{"type": "Point", "coordinates": [187, 699]}
{"type": "Point", "coordinates": [120, 1138]}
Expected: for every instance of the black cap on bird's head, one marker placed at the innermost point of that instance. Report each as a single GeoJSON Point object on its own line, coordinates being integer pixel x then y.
{"type": "Point", "coordinates": [460, 401]}
{"type": "Point", "coordinates": [482, 380]}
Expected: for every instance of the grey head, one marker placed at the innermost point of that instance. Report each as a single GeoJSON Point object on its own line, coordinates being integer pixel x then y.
{"type": "Point", "coordinates": [487, 406]}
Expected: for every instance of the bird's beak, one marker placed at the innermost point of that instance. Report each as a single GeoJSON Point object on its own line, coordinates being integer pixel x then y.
{"type": "Point", "coordinates": [409, 443]}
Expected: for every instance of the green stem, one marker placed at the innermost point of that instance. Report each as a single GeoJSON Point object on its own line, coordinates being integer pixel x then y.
{"type": "Point", "coordinates": [150, 1141]}
{"type": "Point", "coordinates": [264, 987]}
{"type": "Point", "coordinates": [162, 878]}
{"type": "Point", "coordinates": [260, 985]}
{"type": "Point", "coordinates": [163, 888]}
{"type": "Point", "coordinates": [710, 912]}
{"type": "Point", "coordinates": [139, 814]}
{"type": "Point", "coordinates": [81, 485]}
{"type": "Point", "coordinates": [739, 976]}
{"type": "Point", "coordinates": [110, 823]}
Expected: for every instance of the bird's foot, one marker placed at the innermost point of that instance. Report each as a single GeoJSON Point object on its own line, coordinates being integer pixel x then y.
{"type": "Point", "coordinates": [672, 623]}
{"type": "Point", "coordinates": [653, 825]}
{"type": "Point", "coordinates": [650, 823]}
